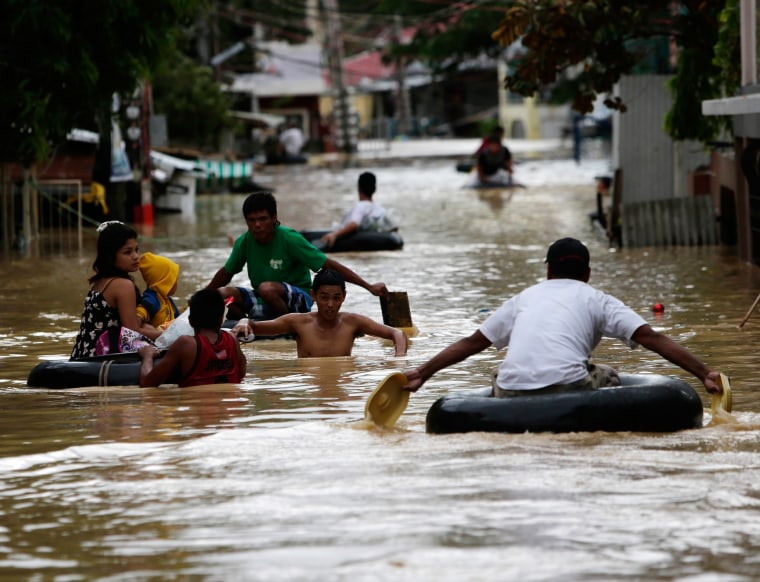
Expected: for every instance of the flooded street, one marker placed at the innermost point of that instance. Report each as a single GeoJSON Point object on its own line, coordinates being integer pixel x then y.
{"type": "Point", "coordinates": [278, 479]}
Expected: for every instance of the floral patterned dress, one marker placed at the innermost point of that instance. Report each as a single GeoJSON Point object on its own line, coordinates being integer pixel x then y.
{"type": "Point", "coordinates": [97, 317]}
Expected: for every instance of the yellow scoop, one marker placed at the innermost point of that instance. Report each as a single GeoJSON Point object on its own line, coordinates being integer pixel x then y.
{"type": "Point", "coordinates": [725, 400]}
{"type": "Point", "coordinates": [388, 401]}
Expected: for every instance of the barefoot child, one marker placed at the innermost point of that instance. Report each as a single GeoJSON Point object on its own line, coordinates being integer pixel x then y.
{"type": "Point", "coordinates": [328, 332]}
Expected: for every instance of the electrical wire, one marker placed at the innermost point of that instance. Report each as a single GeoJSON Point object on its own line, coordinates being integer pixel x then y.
{"type": "Point", "coordinates": [449, 11]}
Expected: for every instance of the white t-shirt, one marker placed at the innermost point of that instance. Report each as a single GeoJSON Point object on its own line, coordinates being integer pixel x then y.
{"type": "Point", "coordinates": [292, 141]}
{"type": "Point", "coordinates": [369, 216]}
{"type": "Point", "coordinates": [551, 329]}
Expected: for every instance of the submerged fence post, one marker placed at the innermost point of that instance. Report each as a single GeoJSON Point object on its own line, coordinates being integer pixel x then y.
{"type": "Point", "coordinates": [26, 207]}
{"type": "Point", "coordinates": [80, 243]}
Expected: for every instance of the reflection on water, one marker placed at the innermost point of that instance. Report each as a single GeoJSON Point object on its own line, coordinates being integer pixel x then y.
{"type": "Point", "coordinates": [268, 480]}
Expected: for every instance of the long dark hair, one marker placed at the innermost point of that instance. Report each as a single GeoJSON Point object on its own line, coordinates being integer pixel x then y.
{"type": "Point", "coordinates": [112, 236]}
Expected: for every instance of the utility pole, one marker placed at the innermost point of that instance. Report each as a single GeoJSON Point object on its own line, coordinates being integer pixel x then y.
{"type": "Point", "coordinates": [404, 105]}
{"type": "Point", "coordinates": [346, 138]}
{"type": "Point", "coordinates": [748, 41]}
{"type": "Point", "coordinates": [256, 35]}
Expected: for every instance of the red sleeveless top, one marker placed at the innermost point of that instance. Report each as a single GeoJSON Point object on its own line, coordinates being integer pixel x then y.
{"type": "Point", "coordinates": [215, 363]}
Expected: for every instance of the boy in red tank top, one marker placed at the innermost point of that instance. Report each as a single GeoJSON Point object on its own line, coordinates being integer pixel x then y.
{"type": "Point", "coordinates": [211, 356]}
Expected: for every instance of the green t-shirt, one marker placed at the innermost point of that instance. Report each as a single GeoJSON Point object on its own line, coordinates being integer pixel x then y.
{"type": "Point", "coordinates": [287, 258]}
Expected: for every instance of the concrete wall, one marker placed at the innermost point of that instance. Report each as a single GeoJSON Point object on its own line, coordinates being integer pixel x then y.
{"type": "Point", "coordinates": [555, 120]}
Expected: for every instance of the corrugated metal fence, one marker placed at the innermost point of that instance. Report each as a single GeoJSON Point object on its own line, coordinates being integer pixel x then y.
{"type": "Point", "coordinates": [673, 222]}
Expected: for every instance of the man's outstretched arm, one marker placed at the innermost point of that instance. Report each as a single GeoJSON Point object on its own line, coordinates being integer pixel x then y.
{"type": "Point", "coordinates": [678, 355]}
{"type": "Point", "coordinates": [456, 352]}
{"type": "Point", "coordinates": [377, 289]}
{"type": "Point", "coordinates": [220, 279]}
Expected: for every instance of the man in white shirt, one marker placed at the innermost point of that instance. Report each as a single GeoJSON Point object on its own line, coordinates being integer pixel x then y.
{"type": "Point", "coordinates": [365, 215]}
{"type": "Point", "coordinates": [551, 329]}
{"type": "Point", "coordinates": [292, 140]}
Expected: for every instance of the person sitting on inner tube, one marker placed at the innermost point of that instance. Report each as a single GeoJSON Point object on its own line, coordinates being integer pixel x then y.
{"type": "Point", "coordinates": [551, 329]}
{"type": "Point", "coordinates": [279, 261]}
{"type": "Point", "coordinates": [365, 215]}
{"type": "Point", "coordinates": [494, 164]}
{"type": "Point", "coordinates": [211, 356]}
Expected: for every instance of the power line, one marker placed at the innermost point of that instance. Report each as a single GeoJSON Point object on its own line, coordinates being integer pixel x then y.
{"type": "Point", "coordinates": [449, 11]}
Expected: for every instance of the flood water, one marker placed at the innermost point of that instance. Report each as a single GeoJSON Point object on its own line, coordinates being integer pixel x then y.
{"type": "Point", "coordinates": [277, 478]}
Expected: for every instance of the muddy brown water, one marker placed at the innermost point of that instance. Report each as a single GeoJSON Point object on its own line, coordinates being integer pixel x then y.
{"type": "Point", "coordinates": [276, 479]}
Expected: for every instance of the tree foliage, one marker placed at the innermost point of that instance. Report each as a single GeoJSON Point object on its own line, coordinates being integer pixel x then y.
{"type": "Point", "coordinates": [698, 78]}
{"type": "Point", "coordinates": [585, 46]}
{"type": "Point", "coordinates": [603, 38]}
{"type": "Point", "coordinates": [196, 109]}
{"type": "Point", "coordinates": [187, 88]}
{"type": "Point", "coordinates": [446, 33]}
{"type": "Point", "coordinates": [727, 52]}
{"type": "Point", "coordinates": [61, 61]}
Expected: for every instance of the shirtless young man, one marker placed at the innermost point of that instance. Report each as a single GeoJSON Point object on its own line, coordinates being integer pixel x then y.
{"type": "Point", "coordinates": [328, 332]}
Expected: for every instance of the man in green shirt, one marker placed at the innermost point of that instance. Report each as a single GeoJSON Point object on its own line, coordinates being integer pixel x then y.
{"type": "Point", "coordinates": [280, 261]}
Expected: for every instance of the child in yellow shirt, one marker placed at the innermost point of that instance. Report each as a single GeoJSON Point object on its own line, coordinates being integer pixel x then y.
{"type": "Point", "coordinates": [156, 305]}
